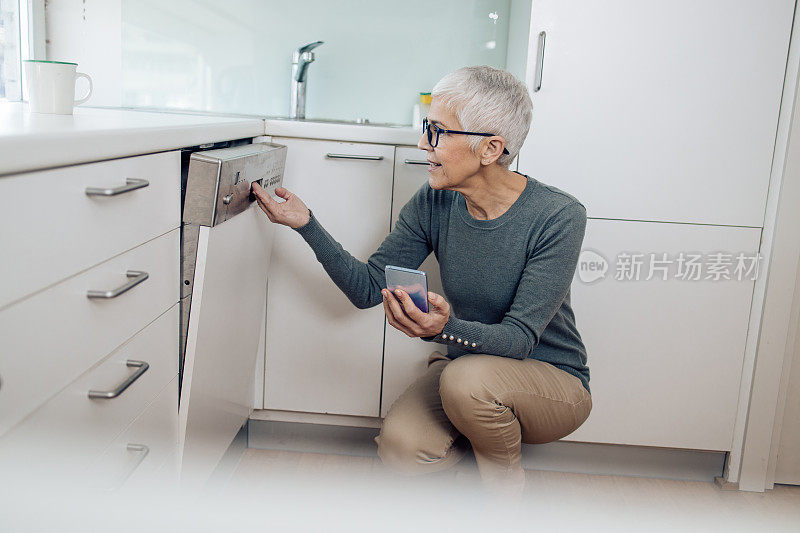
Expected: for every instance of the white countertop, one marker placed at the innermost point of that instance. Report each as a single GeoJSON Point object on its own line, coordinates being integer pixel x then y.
{"type": "Point", "coordinates": [34, 141]}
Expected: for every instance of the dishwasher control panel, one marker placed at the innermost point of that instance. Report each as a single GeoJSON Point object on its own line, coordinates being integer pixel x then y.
{"type": "Point", "coordinates": [218, 185]}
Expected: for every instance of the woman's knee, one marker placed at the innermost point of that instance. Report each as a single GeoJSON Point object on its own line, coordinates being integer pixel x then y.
{"type": "Point", "coordinates": [406, 451]}
{"type": "Point", "coordinates": [464, 378]}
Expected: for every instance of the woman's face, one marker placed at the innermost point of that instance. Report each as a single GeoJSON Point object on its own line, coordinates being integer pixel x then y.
{"type": "Point", "coordinates": [452, 161]}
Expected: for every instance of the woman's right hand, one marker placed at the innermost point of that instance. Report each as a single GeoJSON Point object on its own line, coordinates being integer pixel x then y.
{"type": "Point", "coordinates": [293, 212]}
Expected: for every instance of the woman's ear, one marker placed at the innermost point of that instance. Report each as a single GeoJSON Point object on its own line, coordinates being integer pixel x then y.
{"type": "Point", "coordinates": [492, 149]}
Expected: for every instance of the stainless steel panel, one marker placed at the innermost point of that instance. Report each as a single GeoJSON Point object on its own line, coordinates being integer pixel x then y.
{"type": "Point", "coordinates": [218, 187]}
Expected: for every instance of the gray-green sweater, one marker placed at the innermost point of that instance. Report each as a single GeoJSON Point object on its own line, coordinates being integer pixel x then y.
{"type": "Point", "coordinates": [507, 279]}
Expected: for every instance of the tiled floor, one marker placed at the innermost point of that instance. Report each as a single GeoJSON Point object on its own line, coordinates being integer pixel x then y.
{"type": "Point", "coordinates": [359, 489]}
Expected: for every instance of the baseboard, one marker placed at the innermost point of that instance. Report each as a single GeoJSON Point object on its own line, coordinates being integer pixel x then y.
{"type": "Point", "coordinates": [560, 456]}
{"type": "Point", "coordinates": [325, 419]}
{"type": "Point", "coordinates": [624, 460]}
{"type": "Point", "coordinates": [725, 485]}
{"type": "Point", "coordinates": [312, 438]}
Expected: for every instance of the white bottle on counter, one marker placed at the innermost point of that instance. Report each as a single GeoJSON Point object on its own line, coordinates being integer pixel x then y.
{"type": "Point", "coordinates": [421, 110]}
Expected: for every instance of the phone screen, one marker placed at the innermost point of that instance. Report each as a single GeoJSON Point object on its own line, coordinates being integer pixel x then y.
{"type": "Point", "coordinates": [413, 282]}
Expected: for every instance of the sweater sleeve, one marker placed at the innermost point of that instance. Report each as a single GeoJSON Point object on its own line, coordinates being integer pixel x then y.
{"type": "Point", "coordinates": [544, 284]}
{"type": "Point", "coordinates": [407, 246]}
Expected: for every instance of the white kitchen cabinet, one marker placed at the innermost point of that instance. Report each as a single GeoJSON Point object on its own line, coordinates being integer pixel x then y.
{"type": "Point", "coordinates": [68, 433]}
{"type": "Point", "coordinates": [137, 457]}
{"type": "Point", "coordinates": [52, 337]}
{"type": "Point", "coordinates": [662, 111]}
{"type": "Point", "coordinates": [66, 230]}
{"type": "Point", "coordinates": [406, 358]}
{"type": "Point", "coordinates": [123, 241]}
{"type": "Point", "coordinates": [323, 355]}
{"type": "Point", "coordinates": [665, 356]}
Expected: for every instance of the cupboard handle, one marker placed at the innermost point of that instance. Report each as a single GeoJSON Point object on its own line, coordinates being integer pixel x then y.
{"type": "Point", "coordinates": [416, 162]}
{"type": "Point", "coordinates": [360, 157]}
{"type": "Point", "coordinates": [537, 80]}
{"type": "Point", "coordinates": [131, 184]}
{"type": "Point", "coordinates": [107, 395]}
{"type": "Point", "coordinates": [138, 277]}
{"type": "Point", "coordinates": [143, 450]}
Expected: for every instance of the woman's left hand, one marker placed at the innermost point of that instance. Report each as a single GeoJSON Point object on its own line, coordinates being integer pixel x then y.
{"type": "Point", "coordinates": [403, 314]}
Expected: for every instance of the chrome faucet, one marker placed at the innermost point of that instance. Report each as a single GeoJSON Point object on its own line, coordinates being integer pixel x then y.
{"type": "Point", "coordinates": [302, 57]}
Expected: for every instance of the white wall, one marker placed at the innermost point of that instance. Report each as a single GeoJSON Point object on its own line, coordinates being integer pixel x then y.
{"type": "Point", "coordinates": [234, 56]}
{"type": "Point", "coordinates": [519, 27]}
{"type": "Point", "coordinates": [88, 32]}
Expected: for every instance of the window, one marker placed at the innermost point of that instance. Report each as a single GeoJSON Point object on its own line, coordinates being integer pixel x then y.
{"type": "Point", "coordinates": [10, 57]}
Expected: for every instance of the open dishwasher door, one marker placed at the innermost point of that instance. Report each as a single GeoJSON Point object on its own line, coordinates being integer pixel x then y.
{"type": "Point", "coordinates": [226, 242]}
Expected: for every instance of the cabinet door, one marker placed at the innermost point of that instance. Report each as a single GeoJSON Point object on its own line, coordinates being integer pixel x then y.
{"type": "Point", "coordinates": [228, 299]}
{"type": "Point", "coordinates": [665, 356]}
{"type": "Point", "coordinates": [405, 358]}
{"type": "Point", "coordinates": [323, 355]}
{"type": "Point", "coordinates": [659, 111]}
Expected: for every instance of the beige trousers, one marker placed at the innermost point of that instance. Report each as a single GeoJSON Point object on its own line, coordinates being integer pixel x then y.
{"type": "Point", "coordinates": [488, 402]}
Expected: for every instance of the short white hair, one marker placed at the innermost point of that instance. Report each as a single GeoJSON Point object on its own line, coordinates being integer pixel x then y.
{"type": "Point", "coordinates": [488, 100]}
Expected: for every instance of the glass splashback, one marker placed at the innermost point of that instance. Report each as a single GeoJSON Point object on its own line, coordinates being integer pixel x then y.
{"type": "Point", "coordinates": [234, 56]}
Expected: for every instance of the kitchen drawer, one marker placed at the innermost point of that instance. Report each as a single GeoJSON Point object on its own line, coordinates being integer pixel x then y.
{"type": "Point", "coordinates": [136, 457]}
{"type": "Point", "coordinates": [50, 339]}
{"type": "Point", "coordinates": [67, 433]}
{"type": "Point", "coordinates": [60, 231]}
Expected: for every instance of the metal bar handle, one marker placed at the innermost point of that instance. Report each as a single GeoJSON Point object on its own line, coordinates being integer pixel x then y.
{"type": "Point", "coordinates": [360, 157]}
{"type": "Point", "coordinates": [537, 81]}
{"type": "Point", "coordinates": [131, 184]}
{"type": "Point", "coordinates": [138, 277]}
{"type": "Point", "coordinates": [143, 451]}
{"type": "Point", "coordinates": [416, 162]}
{"type": "Point", "coordinates": [107, 395]}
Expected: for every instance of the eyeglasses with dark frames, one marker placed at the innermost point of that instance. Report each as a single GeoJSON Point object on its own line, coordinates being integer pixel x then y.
{"type": "Point", "coordinates": [430, 129]}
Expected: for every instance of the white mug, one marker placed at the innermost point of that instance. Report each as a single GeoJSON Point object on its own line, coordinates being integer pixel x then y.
{"type": "Point", "coordinates": [51, 86]}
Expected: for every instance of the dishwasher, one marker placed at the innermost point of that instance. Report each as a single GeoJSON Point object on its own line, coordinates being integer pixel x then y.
{"type": "Point", "coordinates": [226, 243]}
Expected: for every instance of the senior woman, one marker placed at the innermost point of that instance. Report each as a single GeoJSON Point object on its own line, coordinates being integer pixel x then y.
{"type": "Point", "coordinates": [507, 245]}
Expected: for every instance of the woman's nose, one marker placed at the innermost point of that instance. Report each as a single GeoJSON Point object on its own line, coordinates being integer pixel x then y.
{"type": "Point", "coordinates": [423, 143]}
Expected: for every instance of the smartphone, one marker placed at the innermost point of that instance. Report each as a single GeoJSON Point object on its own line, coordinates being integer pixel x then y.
{"type": "Point", "coordinates": [413, 282]}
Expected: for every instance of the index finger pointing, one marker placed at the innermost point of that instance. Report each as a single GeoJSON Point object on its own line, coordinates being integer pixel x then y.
{"type": "Point", "coordinates": [259, 191]}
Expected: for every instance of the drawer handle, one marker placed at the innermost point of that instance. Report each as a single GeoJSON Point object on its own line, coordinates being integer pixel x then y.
{"type": "Point", "coordinates": [359, 157]}
{"type": "Point", "coordinates": [138, 277]}
{"type": "Point", "coordinates": [131, 184]}
{"type": "Point", "coordinates": [143, 450]}
{"type": "Point", "coordinates": [107, 395]}
{"type": "Point", "coordinates": [416, 162]}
